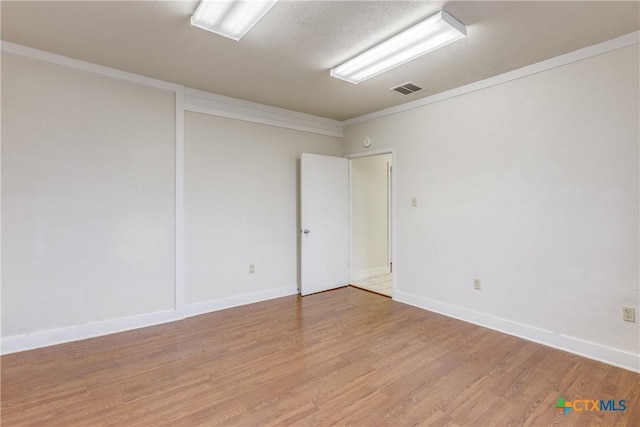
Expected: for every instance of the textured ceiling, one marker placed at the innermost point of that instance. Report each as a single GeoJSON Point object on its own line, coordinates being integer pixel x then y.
{"type": "Point", "coordinates": [285, 59]}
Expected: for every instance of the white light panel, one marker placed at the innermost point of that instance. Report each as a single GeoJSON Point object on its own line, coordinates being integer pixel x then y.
{"type": "Point", "coordinates": [230, 18]}
{"type": "Point", "coordinates": [433, 33]}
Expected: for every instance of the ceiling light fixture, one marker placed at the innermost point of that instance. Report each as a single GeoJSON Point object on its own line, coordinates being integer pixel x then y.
{"type": "Point", "coordinates": [230, 18]}
{"type": "Point", "coordinates": [434, 32]}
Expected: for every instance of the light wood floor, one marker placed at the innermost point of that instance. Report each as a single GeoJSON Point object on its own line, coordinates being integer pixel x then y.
{"type": "Point", "coordinates": [341, 357]}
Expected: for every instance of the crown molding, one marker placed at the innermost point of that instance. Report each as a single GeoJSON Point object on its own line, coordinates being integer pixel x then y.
{"type": "Point", "coordinates": [196, 100]}
{"type": "Point", "coordinates": [548, 64]}
{"type": "Point", "coordinates": [85, 66]}
{"type": "Point", "coordinates": [233, 108]}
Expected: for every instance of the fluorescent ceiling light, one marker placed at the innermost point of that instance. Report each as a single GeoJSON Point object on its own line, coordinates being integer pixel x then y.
{"type": "Point", "coordinates": [230, 18]}
{"type": "Point", "coordinates": [434, 32]}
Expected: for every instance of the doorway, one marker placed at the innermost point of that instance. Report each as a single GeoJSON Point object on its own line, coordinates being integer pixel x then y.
{"type": "Point", "coordinates": [370, 185]}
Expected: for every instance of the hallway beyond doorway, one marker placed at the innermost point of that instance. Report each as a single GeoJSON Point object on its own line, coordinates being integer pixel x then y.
{"type": "Point", "coordinates": [378, 284]}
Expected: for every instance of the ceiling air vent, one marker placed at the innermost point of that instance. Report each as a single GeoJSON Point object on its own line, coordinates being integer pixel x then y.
{"type": "Point", "coordinates": [407, 88]}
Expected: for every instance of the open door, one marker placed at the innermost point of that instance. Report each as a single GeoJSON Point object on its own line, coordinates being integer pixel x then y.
{"type": "Point", "coordinates": [324, 214]}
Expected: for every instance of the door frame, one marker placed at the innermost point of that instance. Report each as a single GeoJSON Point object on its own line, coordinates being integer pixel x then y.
{"type": "Point", "coordinates": [394, 211]}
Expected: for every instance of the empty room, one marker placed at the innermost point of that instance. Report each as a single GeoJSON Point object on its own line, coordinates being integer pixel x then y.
{"type": "Point", "coordinates": [317, 213]}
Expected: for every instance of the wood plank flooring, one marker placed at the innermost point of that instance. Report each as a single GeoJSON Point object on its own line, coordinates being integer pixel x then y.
{"type": "Point", "coordinates": [341, 357]}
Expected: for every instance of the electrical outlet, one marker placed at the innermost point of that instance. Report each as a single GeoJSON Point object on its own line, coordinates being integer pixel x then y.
{"type": "Point", "coordinates": [252, 268]}
{"type": "Point", "coordinates": [476, 284]}
{"type": "Point", "coordinates": [414, 202]}
{"type": "Point", "coordinates": [629, 314]}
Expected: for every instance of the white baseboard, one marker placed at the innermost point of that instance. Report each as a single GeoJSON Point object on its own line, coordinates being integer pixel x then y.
{"type": "Point", "coordinates": [591, 350]}
{"type": "Point", "coordinates": [81, 332]}
{"type": "Point", "coordinates": [365, 274]}
{"type": "Point", "coordinates": [235, 301]}
{"type": "Point", "coordinates": [50, 337]}
{"type": "Point", "coordinates": [577, 346]}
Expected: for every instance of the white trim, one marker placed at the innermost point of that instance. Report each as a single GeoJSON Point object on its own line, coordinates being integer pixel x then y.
{"type": "Point", "coordinates": [81, 332]}
{"type": "Point", "coordinates": [179, 207]}
{"type": "Point", "coordinates": [86, 66]}
{"type": "Point", "coordinates": [350, 218]}
{"type": "Point", "coordinates": [578, 55]}
{"type": "Point", "coordinates": [372, 272]}
{"type": "Point", "coordinates": [238, 300]}
{"type": "Point", "coordinates": [51, 337]}
{"type": "Point", "coordinates": [196, 100]}
{"type": "Point", "coordinates": [233, 108]}
{"type": "Point", "coordinates": [371, 153]}
{"type": "Point", "coordinates": [223, 106]}
{"type": "Point", "coordinates": [271, 115]}
{"type": "Point", "coordinates": [1, 275]}
{"type": "Point", "coordinates": [394, 161]}
{"type": "Point", "coordinates": [591, 350]}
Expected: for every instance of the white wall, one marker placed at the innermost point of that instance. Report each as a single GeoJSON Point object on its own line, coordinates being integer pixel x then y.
{"type": "Point", "coordinates": [369, 216]}
{"type": "Point", "coordinates": [241, 205]}
{"type": "Point", "coordinates": [531, 186]}
{"type": "Point", "coordinates": [93, 223]}
{"type": "Point", "coordinates": [87, 197]}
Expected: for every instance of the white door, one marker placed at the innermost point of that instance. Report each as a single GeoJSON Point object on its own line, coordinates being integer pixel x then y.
{"type": "Point", "coordinates": [324, 214]}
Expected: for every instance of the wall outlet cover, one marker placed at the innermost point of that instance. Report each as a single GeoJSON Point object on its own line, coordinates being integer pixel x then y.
{"type": "Point", "coordinates": [629, 314]}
